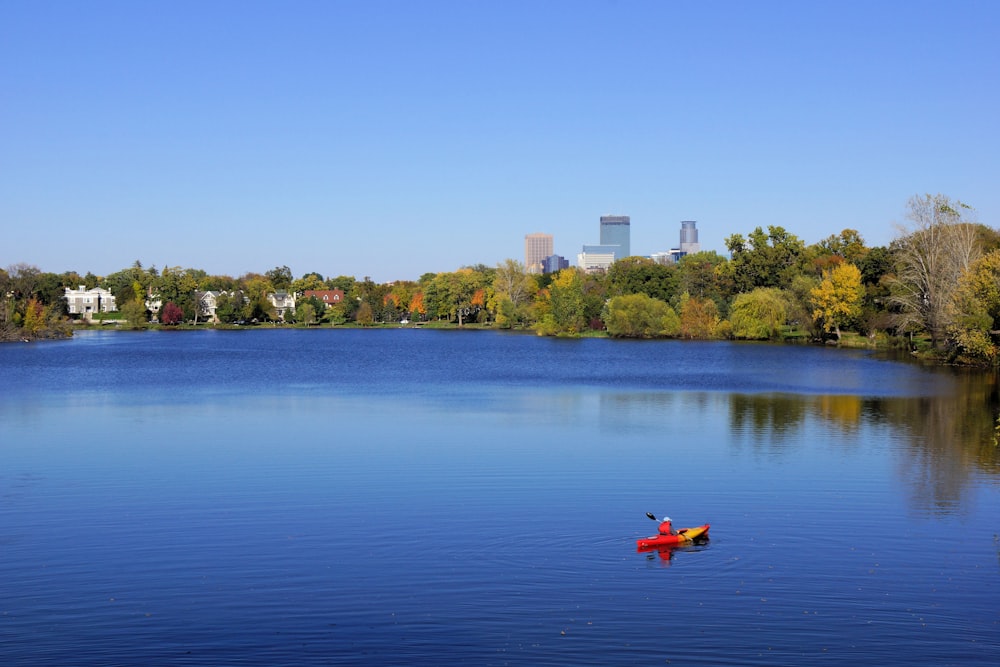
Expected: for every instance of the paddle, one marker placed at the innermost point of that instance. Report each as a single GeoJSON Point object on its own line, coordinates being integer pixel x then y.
{"type": "Point", "coordinates": [650, 515]}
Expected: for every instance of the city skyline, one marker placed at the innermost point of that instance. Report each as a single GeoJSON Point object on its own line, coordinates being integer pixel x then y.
{"type": "Point", "coordinates": [389, 140]}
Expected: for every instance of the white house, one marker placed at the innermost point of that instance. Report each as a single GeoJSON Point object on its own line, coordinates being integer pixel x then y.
{"type": "Point", "coordinates": [281, 301]}
{"type": "Point", "coordinates": [86, 302]}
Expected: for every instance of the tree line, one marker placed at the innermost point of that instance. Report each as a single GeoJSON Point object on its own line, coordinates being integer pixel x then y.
{"type": "Point", "coordinates": [937, 284]}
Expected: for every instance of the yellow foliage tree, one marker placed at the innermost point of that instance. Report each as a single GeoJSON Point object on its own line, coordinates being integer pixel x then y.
{"type": "Point", "coordinates": [699, 317]}
{"type": "Point", "coordinates": [34, 317]}
{"type": "Point", "coordinates": [837, 299]}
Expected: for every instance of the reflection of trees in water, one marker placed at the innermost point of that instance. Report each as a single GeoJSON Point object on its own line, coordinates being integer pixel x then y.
{"type": "Point", "coordinates": [948, 439]}
{"type": "Point", "coordinates": [771, 421]}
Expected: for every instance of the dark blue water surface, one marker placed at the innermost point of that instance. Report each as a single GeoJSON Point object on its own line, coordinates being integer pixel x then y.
{"type": "Point", "coordinates": [403, 497]}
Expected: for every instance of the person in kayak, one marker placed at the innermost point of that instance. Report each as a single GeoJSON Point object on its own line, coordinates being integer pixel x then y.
{"type": "Point", "coordinates": [666, 527]}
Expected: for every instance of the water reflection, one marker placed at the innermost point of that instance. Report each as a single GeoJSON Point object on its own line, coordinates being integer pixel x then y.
{"type": "Point", "coordinates": [946, 442]}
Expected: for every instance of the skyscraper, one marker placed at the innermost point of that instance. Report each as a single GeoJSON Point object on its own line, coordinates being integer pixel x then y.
{"type": "Point", "coordinates": [615, 232]}
{"type": "Point", "coordinates": [689, 237]}
{"type": "Point", "coordinates": [536, 248]}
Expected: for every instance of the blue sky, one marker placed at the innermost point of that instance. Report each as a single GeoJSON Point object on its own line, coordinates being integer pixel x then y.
{"type": "Point", "coordinates": [389, 139]}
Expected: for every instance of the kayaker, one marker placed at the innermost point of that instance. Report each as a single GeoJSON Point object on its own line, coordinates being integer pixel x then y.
{"type": "Point", "coordinates": [666, 527]}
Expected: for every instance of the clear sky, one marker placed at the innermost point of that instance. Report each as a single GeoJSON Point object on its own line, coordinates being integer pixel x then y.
{"type": "Point", "coordinates": [394, 138]}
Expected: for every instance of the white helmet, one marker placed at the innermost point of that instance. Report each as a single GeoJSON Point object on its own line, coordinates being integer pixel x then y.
{"type": "Point", "coordinates": [666, 518]}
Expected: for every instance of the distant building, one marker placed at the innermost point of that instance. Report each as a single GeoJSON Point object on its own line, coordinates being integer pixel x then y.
{"type": "Point", "coordinates": [86, 302]}
{"type": "Point", "coordinates": [688, 245]}
{"type": "Point", "coordinates": [329, 297]}
{"type": "Point", "coordinates": [595, 262]}
{"type": "Point", "coordinates": [282, 301]}
{"type": "Point", "coordinates": [536, 248]}
{"type": "Point", "coordinates": [615, 231]}
{"type": "Point", "coordinates": [555, 263]}
{"type": "Point", "coordinates": [689, 238]}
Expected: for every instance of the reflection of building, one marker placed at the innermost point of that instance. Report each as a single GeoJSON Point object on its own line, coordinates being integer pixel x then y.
{"type": "Point", "coordinates": [615, 232]}
{"type": "Point", "coordinates": [86, 302]}
{"type": "Point", "coordinates": [536, 248]}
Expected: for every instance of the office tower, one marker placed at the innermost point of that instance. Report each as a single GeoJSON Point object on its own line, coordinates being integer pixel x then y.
{"type": "Point", "coordinates": [555, 263]}
{"type": "Point", "coordinates": [689, 237]}
{"type": "Point", "coordinates": [536, 248]}
{"type": "Point", "coordinates": [615, 232]}
{"type": "Point", "coordinates": [592, 261]}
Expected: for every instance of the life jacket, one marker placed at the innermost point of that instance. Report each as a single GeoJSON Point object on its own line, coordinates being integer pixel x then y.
{"type": "Point", "coordinates": [666, 528]}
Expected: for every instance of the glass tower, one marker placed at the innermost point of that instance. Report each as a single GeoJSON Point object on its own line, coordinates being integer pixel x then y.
{"type": "Point", "coordinates": [689, 237]}
{"type": "Point", "coordinates": [615, 232]}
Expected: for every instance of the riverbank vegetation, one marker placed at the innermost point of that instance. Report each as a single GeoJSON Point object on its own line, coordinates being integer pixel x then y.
{"type": "Point", "coordinates": [934, 290]}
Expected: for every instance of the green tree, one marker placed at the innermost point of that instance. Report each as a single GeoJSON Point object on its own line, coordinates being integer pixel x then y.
{"type": "Point", "coordinates": [230, 307]}
{"type": "Point", "coordinates": [641, 275]}
{"type": "Point", "coordinates": [640, 316]}
{"type": "Point", "coordinates": [764, 260]}
{"type": "Point", "coordinates": [837, 299]}
{"type": "Point", "coordinates": [704, 275]}
{"type": "Point", "coordinates": [758, 315]}
{"type": "Point", "coordinates": [305, 313]}
{"type": "Point", "coordinates": [178, 285]}
{"type": "Point", "coordinates": [135, 314]}
{"type": "Point", "coordinates": [280, 277]}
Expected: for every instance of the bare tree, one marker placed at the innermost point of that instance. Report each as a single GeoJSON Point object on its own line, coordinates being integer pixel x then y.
{"type": "Point", "coordinates": [931, 256]}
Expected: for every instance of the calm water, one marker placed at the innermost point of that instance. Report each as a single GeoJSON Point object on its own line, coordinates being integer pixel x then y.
{"type": "Point", "coordinates": [401, 497]}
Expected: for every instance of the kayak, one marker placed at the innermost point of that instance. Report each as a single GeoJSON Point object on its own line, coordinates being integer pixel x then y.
{"type": "Point", "coordinates": [683, 536]}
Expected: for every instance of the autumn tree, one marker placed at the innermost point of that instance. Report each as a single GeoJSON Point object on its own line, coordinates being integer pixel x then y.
{"type": "Point", "coordinates": [510, 293]}
{"type": "Point", "coordinates": [976, 324]}
{"type": "Point", "coordinates": [848, 245]}
{"type": "Point", "coordinates": [837, 299]}
{"type": "Point", "coordinates": [33, 321]}
{"type": "Point", "coordinates": [565, 305]}
{"type": "Point", "coordinates": [364, 315]}
{"type": "Point", "coordinates": [309, 281]}
{"type": "Point", "coordinates": [758, 315]}
{"type": "Point", "coordinates": [699, 317]}
{"type": "Point", "coordinates": [171, 314]}
{"type": "Point", "coordinates": [450, 295]}
{"type": "Point", "coordinates": [931, 257]}
{"type": "Point", "coordinates": [416, 306]}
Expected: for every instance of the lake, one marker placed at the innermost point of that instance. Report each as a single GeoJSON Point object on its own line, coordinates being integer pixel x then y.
{"type": "Point", "coordinates": [414, 497]}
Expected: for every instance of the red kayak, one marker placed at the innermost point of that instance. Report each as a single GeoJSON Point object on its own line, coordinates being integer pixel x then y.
{"type": "Point", "coordinates": [682, 537]}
